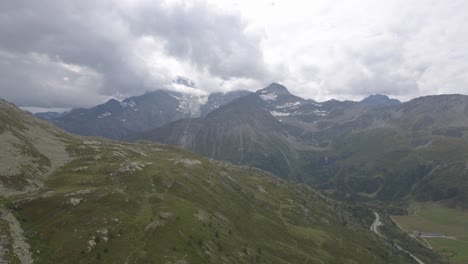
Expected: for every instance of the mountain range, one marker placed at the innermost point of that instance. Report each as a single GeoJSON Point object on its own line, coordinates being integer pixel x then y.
{"type": "Point", "coordinates": [378, 148]}
{"type": "Point", "coordinates": [75, 199]}
{"type": "Point", "coordinates": [117, 120]}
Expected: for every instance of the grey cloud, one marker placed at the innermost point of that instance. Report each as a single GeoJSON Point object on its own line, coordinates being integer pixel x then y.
{"type": "Point", "coordinates": [404, 53]}
{"type": "Point", "coordinates": [102, 37]}
{"type": "Point", "coordinates": [36, 80]}
{"type": "Point", "coordinates": [75, 32]}
{"type": "Point", "coordinates": [384, 69]}
{"type": "Point", "coordinates": [215, 42]}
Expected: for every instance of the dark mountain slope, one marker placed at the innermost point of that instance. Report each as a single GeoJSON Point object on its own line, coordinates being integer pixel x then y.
{"type": "Point", "coordinates": [416, 148]}
{"type": "Point", "coordinates": [117, 120]}
{"type": "Point", "coordinates": [242, 132]}
{"type": "Point", "coordinates": [215, 100]}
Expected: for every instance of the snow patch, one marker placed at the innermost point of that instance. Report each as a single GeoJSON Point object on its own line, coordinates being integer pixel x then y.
{"type": "Point", "coordinates": [288, 105]}
{"type": "Point", "coordinates": [129, 103]}
{"type": "Point", "coordinates": [274, 113]}
{"type": "Point", "coordinates": [106, 114]}
{"type": "Point", "coordinates": [320, 113]}
{"type": "Point", "coordinates": [268, 96]}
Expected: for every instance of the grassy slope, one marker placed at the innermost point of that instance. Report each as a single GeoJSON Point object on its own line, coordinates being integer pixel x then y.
{"type": "Point", "coordinates": [182, 207]}
{"type": "Point", "coordinates": [30, 149]}
{"type": "Point", "coordinates": [457, 250]}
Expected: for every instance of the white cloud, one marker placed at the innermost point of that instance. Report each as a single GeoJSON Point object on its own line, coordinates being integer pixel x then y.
{"type": "Point", "coordinates": [348, 49]}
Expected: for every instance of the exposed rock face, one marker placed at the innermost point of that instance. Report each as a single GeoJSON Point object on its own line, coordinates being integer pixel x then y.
{"type": "Point", "coordinates": [20, 247]}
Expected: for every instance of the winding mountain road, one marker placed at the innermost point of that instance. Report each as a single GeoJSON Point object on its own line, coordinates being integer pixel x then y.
{"type": "Point", "coordinates": [375, 228]}
{"type": "Point", "coordinates": [375, 225]}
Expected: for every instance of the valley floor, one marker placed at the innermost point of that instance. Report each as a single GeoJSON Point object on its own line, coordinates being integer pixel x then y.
{"type": "Point", "coordinates": [375, 228]}
{"type": "Point", "coordinates": [440, 228]}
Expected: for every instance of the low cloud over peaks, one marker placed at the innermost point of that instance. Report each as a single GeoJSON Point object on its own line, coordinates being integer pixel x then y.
{"type": "Point", "coordinates": [79, 53]}
{"type": "Point", "coordinates": [92, 49]}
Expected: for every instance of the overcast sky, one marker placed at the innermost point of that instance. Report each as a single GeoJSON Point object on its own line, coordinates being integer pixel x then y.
{"type": "Point", "coordinates": [63, 54]}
